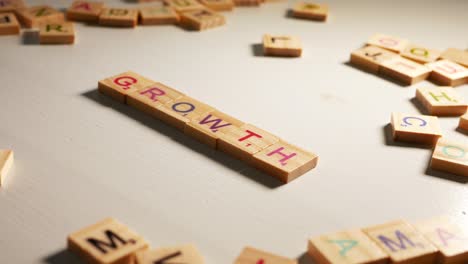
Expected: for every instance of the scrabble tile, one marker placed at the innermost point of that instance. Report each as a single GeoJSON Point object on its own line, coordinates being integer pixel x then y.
{"type": "Point", "coordinates": [57, 33]}
{"type": "Point", "coordinates": [392, 43]}
{"type": "Point", "coordinates": [158, 15]}
{"type": "Point", "coordinates": [448, 73]}
{"type": "Point", "coordinates": [402, 243]}
{"type": "Point", "coordinates": [406, 71]}
{"type": "Point", "coordinates": [463, 123]}
{"type": "Point", "coordinates": [149, 98]}
{"type": "Point", "coordinates": [420, 54]}
{"type": "Point", "coordinates": [118, 17]}
{"type": "Point", "coordinates": [208, 128]}
{"type": "Point", "coordinates": [449, 238]}
{"type": "Point", "coordinates": [369, 58]}
{"type": "Point", "coordinates": [119, 86]}
{"type": "Point", "coordinates": [186, 254]}
{"type": "Point", "coordinates": [179, 112]}
{"type": "Point", "coordinates": [85, 11]}
{"type": "Point", "coordinates": [11, 5]}
{"type": "Point", "coordinates": [250, 3]}
{"type": "Point", "coordinates": [347, 247]}
{"type": "Point", "coordinates": [184, 5]}
{"type": "Point", "coordinates": [284, 161]}
{"type": "Point", "coordinates": [441, 101]}
{"type": "Point", "coordinates": [6, 162]}
{"type": "Point", "coordinates": [420, 129]}
{"type": "Point", "coordinates": [456, 55]}
{"type": "Point", "coordinates": [287, 46]}
{"type": "Point", "coordinates": [9, 25]}
{"type": "Point", "coordinates": [107, 242]}
{"type": "Point", "coordinates": [450, 156]}
{"type": "Point", "coordinates": [33, 16]}
{"type": "Point", "coordinates": [251, 255]}
{"type": "Point", "coordinates": [218, 5]}
{"type": "Point", "coordinates": [201, 19]}
{"type": "Point", "coordinates": [310, 11]}
{"type": "Point", "coordinates": [245, 141]}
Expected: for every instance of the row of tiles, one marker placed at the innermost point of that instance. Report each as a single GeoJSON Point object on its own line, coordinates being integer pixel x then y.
{"type": "Point", "coordinates": [216, 129]}
{"type": "Point", "coordinates": [409, 63]}
{"type": "Point", "coordinates": [438, 240]}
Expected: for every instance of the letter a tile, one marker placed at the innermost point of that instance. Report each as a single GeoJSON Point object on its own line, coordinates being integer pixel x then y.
{"type": "Point", "coordinates": [450, 156]}
{"type": "Point", "coordinates": [186, 254]}
{"type": "Point", "coordinates": [254, 256]}
{"type": "Point", "coordinates": [108, 242]}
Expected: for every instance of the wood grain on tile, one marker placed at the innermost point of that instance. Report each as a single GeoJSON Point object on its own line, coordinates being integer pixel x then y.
{"type": "Point", "coordinates": [450, 156]}
{"type": "Point", "coordinates": [419, 129]}
{"type": "Point", "coordinates": [57, 33]}
{"type": "Point", "coordinates": [441, 101]}
{"type": "Point", "coordinates": [85, 11]}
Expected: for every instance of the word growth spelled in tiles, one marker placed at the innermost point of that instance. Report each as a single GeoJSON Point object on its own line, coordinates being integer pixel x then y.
{"type": "Point", "coordinates": [85, 11]}
{"type": "Point", "coordinates": [9, 25]}
{"type": "Point", "coordinates": [251, 255]}
{"type": "Point", "coordinates": [441, 101]}
{"type": "Point", "coordinates": [310, 11]}
{"type": "Point", "coordinates": [6, 162]}
{"type": "Point", "coordinates": [286, 46]}
{"type": "Point", "coordinates": [57, 33]}
{"type": "Point", "coordinates": [33, 16]}
{"type": "Point", "coordinates": [450, 156]}
{"type": "Point", "coordinates": [186, 254]}
{"type": "Point", "coordinates": [415, 128]}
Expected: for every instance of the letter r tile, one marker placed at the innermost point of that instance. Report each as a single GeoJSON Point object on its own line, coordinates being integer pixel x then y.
{"type": "Point", "coordinates": [107, 242]}
{"type": "Point", "coordinates": [402, 242]}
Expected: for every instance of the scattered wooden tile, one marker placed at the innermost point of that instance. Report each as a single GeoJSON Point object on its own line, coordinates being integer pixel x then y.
{"type": "Point", "coordinates": [33, 16]}
{"type": "Point", "coordinates": [158, 15]}
{"type": "Point", "coordinates": [347, 247]}
{"type": "Point", "coordinates": [119, 86]}
{"type": "Point", "coordinates": [6, 162]}
{"type": "Point", "coordinates": [186, 254]}
{"type": "Point", "coordinates": [402, 243]}
{"type": "Point", "coordinates": [243, 142]}
{"type": "Point", "coordinates": [209, 128]}
{"type": "Point", "coordinates": [57, 33]}
{"type": "Point", "coordinates": [441, 101]}
{"type": "Point", "coordinates": [448, 73]}
{"type": "Point", "coordinates": [463, 123]}
{"type": "Point", "coordinates": [369, 58]}
{"type": "Point", "coordinates": [218, 5]}
{"type": "Point", "coordinates": [85, 11]}
{"type": "Point", "coordinates": [249, 3]}
{"type": "Point", "coordinates": [107, 241]}
{"type": "Point", "coordinates": [450, 156]}
{"type": "Point", "coordinates": [287, 46]}
{"type": "Point", "coordinates": [118, 17]}
{"type": "Point", "coordinates": [201, 19]}
{"type": "Point", "coordinates": [415, 128]}
{"type": "Point", "coordinates": [284, 161]}
{"type": "Point", "coordinates": [184, 5]}
{"type": "Point", "coordinates": [181, 111]}
{"type": "Point", "coordinates": [449, 238]}
{"type": "Point", "coordinates": [310, 11]}
{"type": "Point", "coordinates": [251, 255]}
{"type": "Point", "coordinates": [420, 54]}
{"type": "Point", "coordinates": [395, 44]}
{"type": "Point", "coordinates": [9, 25]}
{"type": "Point", "coordinates": [456, 55]}
{"type": "Point", "coordinates": [11, 5]}
{"type": "Point", "coordinates": [150, 98]}
{"type": "Point", "coordinates": [406, 71]}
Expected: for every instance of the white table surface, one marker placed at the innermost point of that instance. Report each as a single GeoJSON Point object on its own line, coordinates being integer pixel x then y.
{"type": "Point", "coordinates": [81, 157]}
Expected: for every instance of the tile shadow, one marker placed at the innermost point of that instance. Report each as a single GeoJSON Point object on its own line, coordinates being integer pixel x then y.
{"type": "Point", "coordinates": [418, 106]}
{"type": "Point", "coordinates": [445, 175]}
{"type": "Point", "coordinates": [30, 37]}
{"type": "Point", "coordinates": [257, 49]}
{"type": "Point", "coordinates": [62, 257]}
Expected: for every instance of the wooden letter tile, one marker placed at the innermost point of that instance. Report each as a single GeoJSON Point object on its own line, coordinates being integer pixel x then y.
{"type": "Point", "coordinates": [420, 129]}
{"type": "Point", "coordinates": [450, 239]}
{"type": "Point", "coordinates": [463, 123]}
{"type": "Point", "coordinates": [11, 5]}
{"type": "Point", "coordinates": [450, 156]}
{"type": "Point", "coordinates": [285, 161]}
{"type": "Point", "coordinates": [33, 16]}
{"type": "Point", "coordinates": [369, 58]}
{"type": "Point", "coordinates": [218, 5]}
{"type": "Point", "coordinates": [448, 73]}
{"type": "Point", "coordinates": [441, 101]}
{"type": "Point", "coordinates": [57, 33]}
{"type": "Point", "coordinates": [245, 141]}
{"type": "Point", "coordinates": [119, 86]}
{"type": "Point", "coordinates": [118, 17]}
{"type": "Point", "coordinates": [420, 54]}
{"type": "Point", "coordinates": [158, 15]}
{"type": "Point", "coordinates": [186, 254]}
{"type": "Point", "coordinates": [249, 3]}
{"type": "Point", "coordinates": [184, 5]}
{"type": "Point", "coordinates": [456, 55]}
{"type": "Point", "coordinates": [254, 256]}
{"type": "Point", "coordinates": [201, 19]}
{"type": "Point", "coordinates": [395, 44]}
{"type": "Point", "coordinates": [310, 11]}
{"type": "Point", "coordinates": [6, 162]}
{"type": "Point", "coordinates": [348, 247]}
{"type": "Point", "coordinates": [402, 243]}
{"type": "Point", "coordinates": [208, 128]}
{"type": "Point", "coordinates": [282, 46]}
{"type": "Point", "coordinates": [85, 11]}
{"type": "Point", "coordinates": [179, 112]}
{"type": "Point", "coordinates": [9, 24]}
{"type": "Point", "coordinates": [107, 242]}
{"type": "Point", "coordinates": [404, 70]}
